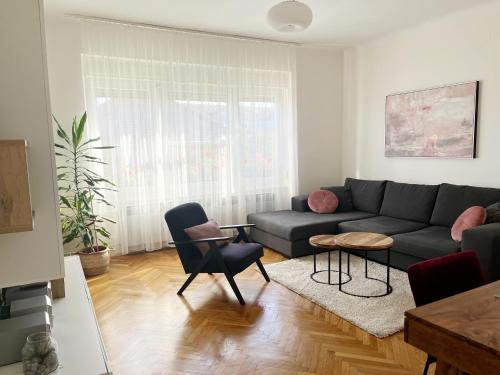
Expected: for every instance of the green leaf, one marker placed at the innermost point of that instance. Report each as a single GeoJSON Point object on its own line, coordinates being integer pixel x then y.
{"type": "Point", "coordinates": [97, 162]}
{"type": "Point", "coordinates": [90, 182]}
{"type": "Point", "coordinates": [90, 157]}
{"type": "Point", "coordinates": [74, 136]}
{"type": "Point", "coordinates": [103, 232]}
{"type": "Point", "coordinates": [68, 239]}
{"type": "Point", "coordinates": [103, 188]}
{"type": "Point", "coordinates": [87, 238]}
{"type": "Point", "coordinates": [81, 128]}
{"type": "Point", "coordinates": [102, 147]}
{"type": "Point", "coordinates": [65, 201]}
{"type": "Point", "coordinates": [60, 131]}
{"type": "Point", "coordinates": [63, 147]}
{"type": "Point", "coordinates": [91, 140]}
{"type": "Point", "coordinates": [101, 179]}
{"type": "Point", "coordinates": [104, 201]}
{"type": "Point", "coordinates": [98, 193]}
{"type": "Point", "coordinates": [90, 171]}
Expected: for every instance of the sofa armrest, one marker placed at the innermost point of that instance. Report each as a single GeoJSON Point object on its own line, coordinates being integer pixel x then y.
{"type": "Point", "coordinates": [299, 203]}
{"type": "Point", "coordinates": [485, 241]}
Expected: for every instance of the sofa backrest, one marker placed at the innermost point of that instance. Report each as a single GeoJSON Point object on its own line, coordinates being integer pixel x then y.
{"type": "Point", "coordinates": [409, 201]}
{"type": "Point", "coordinates": [366, 195]}
{"type": "Point", "coordinates": [452, 200]}
{"type": "Point", "coordinates": [344, 196]}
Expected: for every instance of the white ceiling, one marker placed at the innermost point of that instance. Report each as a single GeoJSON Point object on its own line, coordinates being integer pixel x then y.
{"type": "Point", "coordinates": [335, 22]}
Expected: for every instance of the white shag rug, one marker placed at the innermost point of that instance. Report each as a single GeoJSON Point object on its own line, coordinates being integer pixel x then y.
{"type": "Point", "coordinates": [381, 316]}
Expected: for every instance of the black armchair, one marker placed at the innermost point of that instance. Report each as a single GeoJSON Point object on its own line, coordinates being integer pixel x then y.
{"type": "Point", "coordinates": [230, 259]}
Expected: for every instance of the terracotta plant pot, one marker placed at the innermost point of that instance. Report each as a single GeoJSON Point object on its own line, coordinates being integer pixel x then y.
{"type": "Point", "coordinates": [95, 263]}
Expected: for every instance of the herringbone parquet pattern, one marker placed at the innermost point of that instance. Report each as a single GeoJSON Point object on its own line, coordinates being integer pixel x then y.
{"type": "Point", "coordinates": [148, 329]}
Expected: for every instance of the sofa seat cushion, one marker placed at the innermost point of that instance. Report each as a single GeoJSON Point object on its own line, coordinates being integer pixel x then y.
{"type": "Point", "coordinates": [427, 243]}
{"type": "Point", "coordinates": [237, 257]}
{"type": "Point", "coordinates": [293, 225]}
{"type": "Point", "coordinates": [381, 224]}
{"type": "Point", "coordinates": [409, 201]}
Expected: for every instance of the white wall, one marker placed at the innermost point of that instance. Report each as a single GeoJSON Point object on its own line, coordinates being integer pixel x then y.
{"type": "Point", "coordinates": [319, 99]}
{"type": "Point", "coordinates": [319, 117]}
{"type": "Point", "coordinates": [25, 114]}
{"type": "Point", "coordinates": [64, 65]}
{"type": "Point", "coordinates": [456, 48]}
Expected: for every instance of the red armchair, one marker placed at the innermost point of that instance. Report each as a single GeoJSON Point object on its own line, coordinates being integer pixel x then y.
{"type": "Point", "coordinates": [443, 277]}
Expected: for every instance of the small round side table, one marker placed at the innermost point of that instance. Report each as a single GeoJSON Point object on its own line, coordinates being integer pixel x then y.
{"type": "Point", "coordinates": [327, 242]}
{"type": "Point", "coordinates": [366, 241]}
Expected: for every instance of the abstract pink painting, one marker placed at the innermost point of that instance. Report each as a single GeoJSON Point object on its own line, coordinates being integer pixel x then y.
{"type": "Point", "coordinates": [436, 122]}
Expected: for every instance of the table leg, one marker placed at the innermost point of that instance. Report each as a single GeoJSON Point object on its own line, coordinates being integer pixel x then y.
{"type": "Point", "coordinates": [329, 267]}
{"type": "Point", "coordinates": [366, 264]}
{"type": "Point", "coordinates": [388, 268]}
{"type": "Point", "coordinates": [340, 269]}
{"type": "Point", "coordinates": [443, 368]}
{"type": "Point", "coordinates": [349, 262]}
{"type": "Point", "coordinates": [314, 257]}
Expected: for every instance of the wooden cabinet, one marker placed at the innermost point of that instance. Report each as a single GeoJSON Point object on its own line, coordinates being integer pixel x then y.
{"type": "Point", "coordinates": [15, 201]}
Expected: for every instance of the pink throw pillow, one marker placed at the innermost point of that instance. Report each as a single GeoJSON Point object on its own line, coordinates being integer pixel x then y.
{"type": "Point", "coordinates": [470, 218]}
{"type": "Point", "coordinates": [210, 229]}
{"type": "Point", "coordinates": [323, 201]}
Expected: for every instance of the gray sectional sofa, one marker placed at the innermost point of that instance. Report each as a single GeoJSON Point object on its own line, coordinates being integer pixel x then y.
{"type": "Point", "coordinates": [418, 217]}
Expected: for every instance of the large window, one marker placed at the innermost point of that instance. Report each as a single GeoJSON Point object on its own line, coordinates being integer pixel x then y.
{"type": "Point", "coordinates": [194, 118]}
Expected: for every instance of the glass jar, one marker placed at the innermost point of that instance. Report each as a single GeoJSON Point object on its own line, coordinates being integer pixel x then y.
{"type": "Point", "coordinates": [40, 354]}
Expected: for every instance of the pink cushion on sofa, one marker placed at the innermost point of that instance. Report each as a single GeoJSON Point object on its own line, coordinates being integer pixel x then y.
{"type": "Point", "coordinates": [210, 229]}
{"type": "Point", "coordinates": [323, 201]}
{"type": "Point", "coordinates": [471, 217]}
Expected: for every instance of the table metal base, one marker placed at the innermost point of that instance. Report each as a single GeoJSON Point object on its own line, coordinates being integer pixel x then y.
{"type": "Point", "coordinates": [330, 278]}
{"type": "Point", "coordinates": [329, 270]}
{"type": "Point", "coordinates": [386, 282]}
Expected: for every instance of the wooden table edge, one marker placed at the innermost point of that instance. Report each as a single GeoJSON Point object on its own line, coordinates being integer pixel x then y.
{"type": "Point", "coordinates": [472, 358]}
{"type": "Point", "coordinates": [333, 246]}
{"type": "Point", "coordinates": [409, 316]}
{"type": "Point", "coordinates": [365, 247]}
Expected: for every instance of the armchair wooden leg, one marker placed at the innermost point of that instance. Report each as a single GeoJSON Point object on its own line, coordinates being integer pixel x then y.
{"type": "Point", "coordinates": [196, 271]}
{"type": "Point", "coordinates": [262, 270]}
{"type": "Point", "coordinates": [187, 282]}
{"type": "Point", "coordinates": [236, 291]}
{"type": "Point", "coordinates": [229, 277]}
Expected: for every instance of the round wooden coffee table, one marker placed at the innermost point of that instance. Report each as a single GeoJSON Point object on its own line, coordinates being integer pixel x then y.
{"type": "Point", "coordinates": [365, 241]}
{"type": "Point", "coordinates": [327, 242]}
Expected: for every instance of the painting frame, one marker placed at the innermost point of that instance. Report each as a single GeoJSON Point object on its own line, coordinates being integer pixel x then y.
{"type": "Point", "coordinates": [474, 109]}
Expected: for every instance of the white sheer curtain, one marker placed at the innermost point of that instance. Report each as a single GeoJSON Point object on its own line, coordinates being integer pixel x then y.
{"type": "Point", "coordinates": [194, 117]}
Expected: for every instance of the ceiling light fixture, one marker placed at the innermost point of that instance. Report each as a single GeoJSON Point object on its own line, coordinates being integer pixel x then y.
{"type": "Point", "coordinates": [290, 16]}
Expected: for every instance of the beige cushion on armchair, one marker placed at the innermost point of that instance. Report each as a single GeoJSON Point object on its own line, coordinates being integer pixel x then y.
{"type": "Point", "coordinates": [210, 229]}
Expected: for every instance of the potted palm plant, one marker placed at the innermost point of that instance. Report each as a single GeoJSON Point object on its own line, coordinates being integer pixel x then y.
{"type": "Point", "coordinates": [80, 188]}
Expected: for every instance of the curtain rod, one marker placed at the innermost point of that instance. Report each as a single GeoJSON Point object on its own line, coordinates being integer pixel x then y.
{"type": "Point", "coordinates": [176, 29]}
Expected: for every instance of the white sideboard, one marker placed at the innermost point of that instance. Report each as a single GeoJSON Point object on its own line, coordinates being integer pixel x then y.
{"type": "Point", "coordinates": [81, 349]}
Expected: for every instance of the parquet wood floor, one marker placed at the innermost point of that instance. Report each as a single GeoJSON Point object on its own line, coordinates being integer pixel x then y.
{"type": "Point", "coordinates": [148, 329]}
